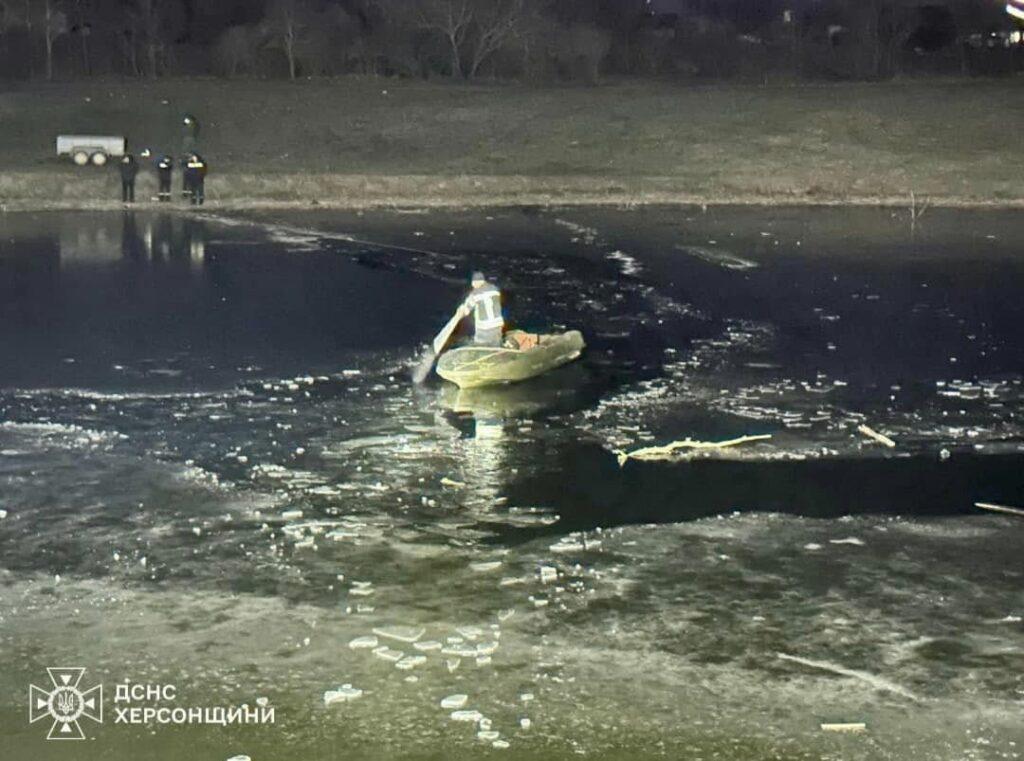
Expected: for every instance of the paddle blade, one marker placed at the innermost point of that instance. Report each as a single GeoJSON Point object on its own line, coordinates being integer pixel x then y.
{"type": "Point", "coordinates": [423, 367]}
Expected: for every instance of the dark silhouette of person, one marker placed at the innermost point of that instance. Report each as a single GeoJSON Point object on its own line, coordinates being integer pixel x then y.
{"type": "Point", "coordinates": [189, 135]}
{"type": "Point", "coordinates": [195, 179]}
{"type": "Point", "coordinates": [189, 146]}
{"type": "Point", "coordinates": [164, 170]}
{"type": "Point", "coordinates": [129, 168]}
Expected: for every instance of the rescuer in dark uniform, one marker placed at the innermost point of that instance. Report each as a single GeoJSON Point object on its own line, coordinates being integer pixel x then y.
{"type": "Point", "coordinates": [164, 170]}
{"type": "Point", "coordinates": [189, 135]}
{"type": "Point", "coordinates": [189, 145]}
{"type": "Point", "coordinates": [129, 169]}
{"type": "Point", "coordinates": [195, 179]}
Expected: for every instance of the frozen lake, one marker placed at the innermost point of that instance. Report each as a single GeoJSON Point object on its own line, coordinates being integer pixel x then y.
{"type": "Point", "coordinates": [214, 473]}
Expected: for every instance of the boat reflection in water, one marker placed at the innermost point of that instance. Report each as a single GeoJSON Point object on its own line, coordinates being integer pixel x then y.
{"type": "Point", "coordinates": [561, 392]}
{"type": "Point", "coordinates": [497, 424]}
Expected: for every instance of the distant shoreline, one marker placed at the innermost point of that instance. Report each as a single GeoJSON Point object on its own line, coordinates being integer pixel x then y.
{"type": "Point", "coordinates": [349, 193]}
{"type": "Point", "coordinates": [362, 143]}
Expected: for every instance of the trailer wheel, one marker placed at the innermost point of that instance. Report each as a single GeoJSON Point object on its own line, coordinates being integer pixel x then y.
{"type": "Point", "coordinates": [81, 158]}
{"type": "Point", "coordinates": [99, 158]}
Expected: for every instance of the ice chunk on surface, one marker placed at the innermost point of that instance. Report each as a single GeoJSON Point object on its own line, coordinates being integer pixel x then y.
{"type": "Point", "coordinates": [343, 694]}
{"type": "Point", "coordinates": [406, 634]}
{"type": "Point", "coordinates": [484, 567]}
{"type": "Point", "coordinates": [411, 662]}
{"type": "Point", "coordinates": [473, 716]}
{"type": "Point", "coordinates": [454, 702]}
{"type": "Point", "coordinates": [364, 643]}
{"type": "Point", "coordinates": [388, 654]}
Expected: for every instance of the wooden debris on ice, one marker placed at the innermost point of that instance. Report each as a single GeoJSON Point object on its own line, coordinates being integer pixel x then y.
{"type": "Point", "coordinates": [871, 433]}
{"type": "Point", "coordinates": [875, 681]}
{"type": "Point", "coordinates": [668, 450]}
{"type": "Point", "coordinates": [1000, 508]}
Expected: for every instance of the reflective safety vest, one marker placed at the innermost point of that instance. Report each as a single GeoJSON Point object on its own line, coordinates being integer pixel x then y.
{"type": "Point", "coordinates": [485, 302]}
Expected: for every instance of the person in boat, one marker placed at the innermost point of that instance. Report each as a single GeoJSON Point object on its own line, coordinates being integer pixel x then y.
{"type": "Point", "coordinates": [484, 304]}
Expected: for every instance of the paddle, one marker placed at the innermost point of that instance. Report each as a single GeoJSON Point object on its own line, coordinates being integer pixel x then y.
{"type": "Point", "coordinates": [426, 363]}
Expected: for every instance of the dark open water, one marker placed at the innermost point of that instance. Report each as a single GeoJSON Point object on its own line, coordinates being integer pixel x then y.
{"type": "Point", "coordinates": [215, 474]}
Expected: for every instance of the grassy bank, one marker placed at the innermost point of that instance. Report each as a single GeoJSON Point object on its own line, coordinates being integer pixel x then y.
{"type": "Point", "coordinates": [364, 142]}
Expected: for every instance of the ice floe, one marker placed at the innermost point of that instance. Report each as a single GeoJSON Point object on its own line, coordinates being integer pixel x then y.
{"type": "Point", "coordinates": [407, 634]}
{"type": "Point", "coordinates": [364, 643]}
{"type": "Point", "coordinates": [454, 702]}
{"type": "Point", "coordinates": [343, 694]}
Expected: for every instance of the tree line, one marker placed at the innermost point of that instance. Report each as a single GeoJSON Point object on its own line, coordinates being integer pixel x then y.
{"type": "Point", "coordinates": [579, 40]}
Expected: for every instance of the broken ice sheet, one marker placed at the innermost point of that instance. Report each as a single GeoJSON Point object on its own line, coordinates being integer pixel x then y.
{"type": "Point", "coordinates": [411, 662]}
{"type": "Point", "coordinates": [406, 634]}
{"type": "Point", "coordinates": [567, 545]}
{"type": "Point", "coordinates": [343, 694]}
{"type": "Point", "coordinates": [361, 588]}
{"type": "Point", "coordinates": [484, 567]}
{"type": "Point", "coordinates": [363, 643]}
{"type": "Point", "coordinates": [454, 702]}
{"type": "Point", "coordinates": [388, 654]}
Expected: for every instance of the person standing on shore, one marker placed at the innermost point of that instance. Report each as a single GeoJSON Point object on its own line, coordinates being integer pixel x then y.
{"type": "Point", "coordinates": [164, 170]}
{"type": "Point", "coordinates": [195, 178]}
{"type": "Point", "coordinates": [189, 145]}
{"type": "Point", "coordinates": [189, 135]}
{"type": "Point", "coordinates": [129, 169]}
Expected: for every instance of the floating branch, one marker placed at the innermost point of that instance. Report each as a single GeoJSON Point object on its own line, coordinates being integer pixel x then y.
{"type": "Point", "coordinates": [665, 452]}
{"type": "Point", "coordinates": [875, 681]}
{"type": "Point", "coordinates": [1000, 508]}
{"type": "Point", "coordinates": [871, 433]}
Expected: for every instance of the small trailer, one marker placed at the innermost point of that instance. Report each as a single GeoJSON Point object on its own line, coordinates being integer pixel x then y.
{"type": "Point", "coordinates": [90, 148]}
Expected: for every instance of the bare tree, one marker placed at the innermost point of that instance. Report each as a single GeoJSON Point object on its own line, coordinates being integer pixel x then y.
{"type": "Point", "coordinates": [496, 23]}
{"type": "Point", "coordinates": [128, 37]}
{"type": "Point", "coordinates": [471, 30]}
{"type": "Point", "coordinates": [236, 49]}
{"type": "Point", "coordinates": [452, 19]}
{"type": "Point", "coordinates": [54, 23]}
{"type": "Point", "coordinates": [83, 28]}
{"type": "Point", "coordinates": [7, 20]}
{"type": "Point", "coordinates": [285, 17]}
{"type": "Point", "coordinates": [151, 23]}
